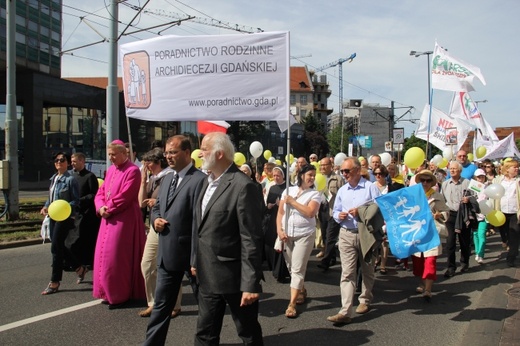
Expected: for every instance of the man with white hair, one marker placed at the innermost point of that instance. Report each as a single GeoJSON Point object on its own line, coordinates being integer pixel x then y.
{"type": "Point", "coordinates": [313, 158]}
{"type": "Point", "coordinates": [454, 190]}
{"type": "Point", "coordinates": [227, 250]}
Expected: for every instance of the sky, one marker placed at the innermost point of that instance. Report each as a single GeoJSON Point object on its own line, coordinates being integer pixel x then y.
{"type": "Point", "coordinates": [381, 33]}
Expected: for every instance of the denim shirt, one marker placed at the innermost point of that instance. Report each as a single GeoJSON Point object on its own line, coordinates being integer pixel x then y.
{"type": "Point", "coordinates": [66, 188]}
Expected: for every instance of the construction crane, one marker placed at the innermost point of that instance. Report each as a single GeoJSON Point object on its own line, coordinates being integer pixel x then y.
{"type": "Point", "coordinates": [340, 68]}
{"type": "Point", "coordinates": [203, 21]}
{"type": "Point", "coordinates": [303, 56]}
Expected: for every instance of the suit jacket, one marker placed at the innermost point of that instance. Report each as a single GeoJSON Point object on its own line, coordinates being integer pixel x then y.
{"type": "Point", "coordinates": [228, 251]}
{"type": "Point", "coordinates": [175, 240]}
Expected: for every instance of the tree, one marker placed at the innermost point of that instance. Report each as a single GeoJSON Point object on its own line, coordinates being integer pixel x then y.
{"type": "Point", "coordinates": [315, 139]}
{"type": "Point", "coordinates": [334, 140]}
{"type": "Point", "coordinates": [413, 141]}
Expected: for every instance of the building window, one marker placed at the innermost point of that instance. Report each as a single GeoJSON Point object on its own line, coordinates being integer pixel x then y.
{"type": "Point", "coordinates": [292, 99]}
{"type": "Point", "coordinates": [303, 99]}
{"type": "Point", "coordinates": [303, 113]}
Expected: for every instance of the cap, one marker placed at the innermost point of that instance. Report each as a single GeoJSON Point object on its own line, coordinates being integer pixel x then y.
{"type": "Point", "coordinates": [479, 172]}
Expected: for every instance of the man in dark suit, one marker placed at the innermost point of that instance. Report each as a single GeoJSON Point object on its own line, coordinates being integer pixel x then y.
{"type": "Point", "coordinates": [172, 217]}
{"type": "Point", "coordinates": [82, 240]}
{"type": "Point", "coordinates": [228, 246]}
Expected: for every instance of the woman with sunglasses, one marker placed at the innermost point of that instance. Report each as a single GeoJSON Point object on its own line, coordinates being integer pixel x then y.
{"type": "Point", "coordinates": [425, 263]}
{"type": "Point", "coordinates": [300, 205]}
{"type": "Point", "coordinates": [490, 170]}
{"type": "Point", "coordinates": [63, 186]}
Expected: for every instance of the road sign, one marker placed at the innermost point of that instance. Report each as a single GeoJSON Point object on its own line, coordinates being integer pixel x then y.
{"type": "Point", "coordinates": [398, 134]}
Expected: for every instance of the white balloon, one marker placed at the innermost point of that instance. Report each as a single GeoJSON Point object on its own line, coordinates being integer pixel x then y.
{"type": "Point", "coordinates": [485, 208]}
{"type": "Point", "coordinates": [447, 153]}
{"type": "Point", "coordinates": [256, 149]}
{"type": "Point", "coordinates": [494, 191]}
{"type": "Point", "coordinates": [272, 159]}
{"type": "Point", "coordinates": [386, 159]}
{"type": "Point", "coordinates": [436, 159]}
{"type": "Point", "coordinates": [339, 158]}
{"type": "Point", "coordinates": [293, 167]}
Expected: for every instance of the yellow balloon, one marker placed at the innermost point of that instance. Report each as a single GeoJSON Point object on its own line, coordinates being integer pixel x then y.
{"type": "Point", "coordinates": [267, 154]}
{"type": "Point", "coordinates": [414, 157]}
{"type": "Point", "coordinates": [320, 181]}
{"type": "Point", "coordinates": [481, 152]}
{"type": "Point", "coordinates": [289, 159]}
{"type": "Point", "coordinates": [240, 159]}
{"type": "Point", "coordinates": [278, 162]}
{"type": "Point", "coordinates": [100, 181]}
{"type": "Point", "coordinates": [59, 210]}
{"type": "Point", "coordinates": [317, 165]}
{"type": "Point", "coordinates": [198, 162]}
{"type": "Point", "coordinates": [496, 218]}
{"type": "Point", "coordinates": [195, 154]}
{"type": "Point", "coordinates": [361, 158]}
{"type": "Point", "coordinates": [443, 163]}
{"type": "Point", "coordinates": [470, 156]}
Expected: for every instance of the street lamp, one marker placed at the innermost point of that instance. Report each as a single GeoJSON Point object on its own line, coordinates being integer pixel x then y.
{"type": "Point", "coordinates": [418, 54]}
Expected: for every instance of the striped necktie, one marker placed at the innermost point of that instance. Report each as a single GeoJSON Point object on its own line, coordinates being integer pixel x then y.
{"type": "Point", "coordinates": [173, 186]}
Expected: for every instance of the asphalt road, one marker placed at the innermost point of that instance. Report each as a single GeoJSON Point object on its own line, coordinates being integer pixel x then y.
{"type": "Point", "coordinates": [468, 309]}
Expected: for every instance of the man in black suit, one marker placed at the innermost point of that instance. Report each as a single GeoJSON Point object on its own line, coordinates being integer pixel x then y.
{"type": "Point", "coordinates": [172, 217]}
{"type": "Point", "coordinates": [82, 240]}
{"type": "Point", "coordinates": [228, 246]}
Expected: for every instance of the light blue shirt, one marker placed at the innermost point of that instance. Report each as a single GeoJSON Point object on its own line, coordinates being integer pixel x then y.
{"type": "Point", "coordinates": [349, 197]}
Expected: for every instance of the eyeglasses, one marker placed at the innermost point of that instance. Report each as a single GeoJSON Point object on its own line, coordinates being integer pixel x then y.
{"type": "Point", "coordinates": [462, 155]}
{"type": "Point", "coordinates": [170, 153]}
{"type": "Point", "coordinates": [345, 171]}
{"type": "Point", "coordinates": [423, 180]}
{"type": "Point", "coordinates": [488, 166]}
{"type": "Point", "coordinates": [60, 160]}
{"type": "Point", "coordinates": [378, 173]}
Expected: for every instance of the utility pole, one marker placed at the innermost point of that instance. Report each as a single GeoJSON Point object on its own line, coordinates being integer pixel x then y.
{"type": "Point", "coordinates": [112, 114]}
{"type": "Point", "coordinates": [11, 122]}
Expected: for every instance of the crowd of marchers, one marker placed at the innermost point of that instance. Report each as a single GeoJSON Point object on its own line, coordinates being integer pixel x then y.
{"type": "Point", "coordinates": [157, 221]}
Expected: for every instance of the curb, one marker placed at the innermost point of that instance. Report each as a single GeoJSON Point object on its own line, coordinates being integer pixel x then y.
{"type": "Point", "coordinates": [20, 243]}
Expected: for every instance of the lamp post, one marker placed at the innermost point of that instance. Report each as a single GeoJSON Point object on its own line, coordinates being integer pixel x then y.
{"type": "Point", "coordinates": [418, 54]}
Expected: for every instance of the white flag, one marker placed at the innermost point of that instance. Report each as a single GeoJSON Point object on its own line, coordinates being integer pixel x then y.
{"type": "Point", "coordinates": [450, 73]}
{"type": "Point", "coordinates": [441, 125]}
{"type": "Point", "coordinates": [504, 148]}
{"type": "Point", "coordinates": [463, 107]}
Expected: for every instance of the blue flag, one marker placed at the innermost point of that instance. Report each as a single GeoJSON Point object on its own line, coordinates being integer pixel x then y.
{"type": "Point", "coordinates": [409, 222]}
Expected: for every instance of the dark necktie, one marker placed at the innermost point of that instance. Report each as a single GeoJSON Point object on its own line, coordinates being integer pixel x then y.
{"type": "Point", "coordinates": [173, 186]}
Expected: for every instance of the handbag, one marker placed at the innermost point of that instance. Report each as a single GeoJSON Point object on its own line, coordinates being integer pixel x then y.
{"type": "Point", "coordinates": [441, 228]}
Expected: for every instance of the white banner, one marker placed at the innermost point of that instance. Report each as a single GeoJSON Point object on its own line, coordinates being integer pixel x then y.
{"type": "Point", "coordinates": [452, 74]}
{"type": "Point", "coordinates": [230, 77]}
{"type": "Point", "coordinates": [504, 148]}
{"type": "Point", "coordinates": [440, 124]}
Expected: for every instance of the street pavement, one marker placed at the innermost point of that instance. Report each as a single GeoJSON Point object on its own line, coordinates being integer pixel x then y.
{"type": "Point", "coordinates": [473, 308]}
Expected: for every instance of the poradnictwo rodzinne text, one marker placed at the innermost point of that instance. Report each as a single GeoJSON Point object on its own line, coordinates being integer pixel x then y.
{"type": "Point", "coordinates": [208, 68]}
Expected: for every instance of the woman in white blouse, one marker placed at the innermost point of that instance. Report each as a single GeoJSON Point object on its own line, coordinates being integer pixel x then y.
{"type": "Point", "coordinates": [301, 204]}
{"type": "Point", "coordinates": [509, 205]}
